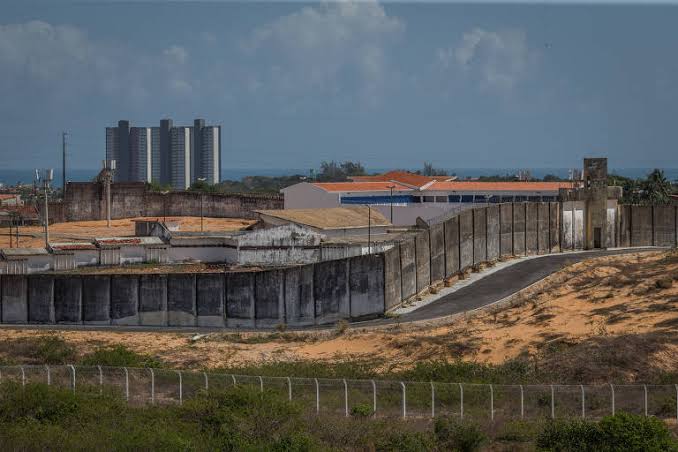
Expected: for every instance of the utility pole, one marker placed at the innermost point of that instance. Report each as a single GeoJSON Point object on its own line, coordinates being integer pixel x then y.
{"type": "Point", "coordinates": [63, 163]}
{"type": "Point", "coordinates": [107, 175]}
{"type": "Point", "coordinates": [46, 179]}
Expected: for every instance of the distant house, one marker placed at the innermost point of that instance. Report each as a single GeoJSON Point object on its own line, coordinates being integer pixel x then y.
{"type": "Point", "coordinates": [10, 199]}
{"type": "Point", "coordinates": [331, 222]}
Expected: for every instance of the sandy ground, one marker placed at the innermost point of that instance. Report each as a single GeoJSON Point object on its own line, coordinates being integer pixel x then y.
{"type": "Point", "coordinates": [597, 315]}
{"type": "Point", "coordinates": [32, 236]}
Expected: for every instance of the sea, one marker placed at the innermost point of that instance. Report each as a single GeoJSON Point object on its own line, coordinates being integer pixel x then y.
{"type": "Point", "coordinates": [14, 176]}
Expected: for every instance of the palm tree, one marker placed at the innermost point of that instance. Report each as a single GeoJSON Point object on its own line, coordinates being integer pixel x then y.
{"type": "Point", "coordinates": [657, 189]}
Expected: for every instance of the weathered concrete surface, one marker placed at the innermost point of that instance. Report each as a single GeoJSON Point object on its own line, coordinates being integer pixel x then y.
{"type": "Point", "coordinates": [479, 235]}
{"type": "Point", "coordinates": [451, 246]}
{"type": "Point", "coordinates": [299, 305]}
{"type": "Point", "coordinates": [554, 227]}
{"type": "Point", "coordinates": [518, 229]}
{"type": "Point", "coordinates": [506, 229]}
{"type": "Point", "coordinates": [40, 299]}
{"type": "Point", "coordinates": [366, 285]}
{"type": "Point", "coordinates": [493, 234]}
{"type": "Point", "coordinates": [641, 226]}
{"type": "Point", "coordinates": [664, 225]}
{"type": "Point", "coordinates": [408, 268]}
{"type": "Point", "coordinates": [625, 225]}
{"type": "Point", "coordinates": [14, 299]}
{"type": "Point", "coordinates": [466, 239]}
{"type": "Point", "coordinates": [531, 225]}
{"type": "Point", "coordinates": [269, 305]}
{"type": "Point", "coordinates": [423, 259]}
{"type": "Point", "coordinates": [68, 299]}
{"type": "Point", "coordinates": [437, 241]}
{"type": "Point", "coordinates": [96, 299]}
{"type": "Point", "coordinates": [153, 300]}
{"type": "Point", "coordinates": [543, 212]}
{"type": "Point", "coordinates": [125, 300]}
{"type": "Point", "coordinates": [240, 300]}
{"type": "Point", "coordinates": [181, 310]}
{"type": "Point", "coordinates": [392, 282]}
{"type": "Point", "coordinates": [210, 298]}
{"type": "Point", "coordinates": [330, 288]}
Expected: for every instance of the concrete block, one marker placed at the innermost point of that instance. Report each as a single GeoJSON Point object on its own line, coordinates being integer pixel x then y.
{"type": "Point", "coordinates": [452, 246]}
{"type": "Point", "coordinates": [125, 300]}
{"type": "Point", "coordinates": [269, 304]}
{"type": "Point", "coordinates": [96, 299]}
{"type": "Point", "coordinates": [330, 289]}
{"type": "Point", "coordinates": [408, 268]}
{"type": "Point", "coordinates": [14, 299]}
{"type": "Point", "coordinates": [68, 299]}
{"type": "Point", "coordinates": [554, 227]}
{"type": "Point", "coordinates": [518, 229]}
{"type": "Point", "coordinates": [664, 225]}
{"type": "Point", "coordinates": [493, 234]}
{"type": "Point", "coordinates": [625, 226]}
{"type": "Point", "coordinates": [392, 282]}
{"type": "Point", "coordinates": [641, 226]}
{"type": "Point", "coordinates": [366, 284]}
{"type": "Point", "coordinates": [466, 239]}
{"type": "Point", "coordinates": [506, 229]}
{"type": "Point", "coordinates": [531, 226]}
{"type": "Point", "coordinates": [181, 310]}
{"type": "Point", "coordinates": [210, 299]}
{"type": "Point", "coordinates": [153, 300]}
{"type": "Point", "coordinates": [479, 235]}
{"type": "Point", "coordinates": [40, 299]}
{"type": "Point", "coordinates": [423, 259]}
{"type": "Point", "coordinates": [437, 245]}
{"type": "Point", "coordinates": [240, 300]}
{"type": "Point", "coordinates": [543, 212]}
{"type": "Point", "coordinates": [299, 305]}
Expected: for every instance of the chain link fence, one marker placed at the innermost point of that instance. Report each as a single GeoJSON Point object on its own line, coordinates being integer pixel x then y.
{"type": "Point", "coordinates": [406, 399]}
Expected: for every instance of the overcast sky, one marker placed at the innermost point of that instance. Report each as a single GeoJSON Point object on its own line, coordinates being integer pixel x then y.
{"type": "Point", "coordinates": [389, 84]}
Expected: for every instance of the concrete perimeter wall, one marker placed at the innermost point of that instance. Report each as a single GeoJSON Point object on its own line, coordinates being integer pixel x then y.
{"type": "Point", "coordinates": [648, 225]}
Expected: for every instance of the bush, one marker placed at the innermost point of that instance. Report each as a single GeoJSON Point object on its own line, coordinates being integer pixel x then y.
{"type": "Point", "coordinates": [362, 410]}
{"type": "Point", "coordinates": [621, 432]}
{"type": "Point", "coordinates": [119, 356]}
{"type": "Point", "coordinates": [50, 349]}
{"type": "Point", "coordinates": [456, 435]}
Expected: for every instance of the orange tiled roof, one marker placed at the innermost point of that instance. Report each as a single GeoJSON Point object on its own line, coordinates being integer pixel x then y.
{"type": "Point", "coordinates": [361, 186]}
{"type": "Point", "coordinates": [499, 186]}
{"type": "Point", "coordinates": [404, 177]}
{"type": "Point", "coordinates": [4, 196]}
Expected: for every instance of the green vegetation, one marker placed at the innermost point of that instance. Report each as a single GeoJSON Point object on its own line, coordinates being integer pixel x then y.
{"type": "Point", "coordinates": [119, 356]}
{"type": "Point", "coordinates": [655, 189]}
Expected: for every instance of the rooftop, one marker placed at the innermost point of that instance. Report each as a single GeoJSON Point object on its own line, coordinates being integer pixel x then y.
{"type": "Point", "coordinates": [361, 186]}
{"type": "Point", "coordinates": [499, 186]}
{"type": "Point", "coordinates": [18, 252]}
{"type": "Point", "coordinates": [72, 246]}
{"type": "Point", "coordinates": [128, 241]}
{"type": "Point", "coordinates": [331, 218]}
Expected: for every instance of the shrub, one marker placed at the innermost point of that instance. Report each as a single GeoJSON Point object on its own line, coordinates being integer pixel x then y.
{"type": "Point", "coordinates": [119, 356]}
{"type": "Point", "coordinates": [50, 349]}
{"type": "Point", "coordinates": [341, 326]}
{"type": "Point", "coordinates": [621, 432]}
{"type": "Point", "coordinates": [361, 410]}
{"type": "Point", "coordinates": [452, 434]}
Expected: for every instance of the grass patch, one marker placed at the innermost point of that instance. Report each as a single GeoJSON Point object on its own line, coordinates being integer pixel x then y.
{"type": "Point", "coordinates": [46, 349]}
{"type": "Point", "coordinates": [119, 356]}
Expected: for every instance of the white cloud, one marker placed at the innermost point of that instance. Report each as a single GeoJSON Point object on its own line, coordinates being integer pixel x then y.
{"type": "Point", "coordinates": [176, 54]}
{"type": "Point", "coordinates": [498, 59]}
{"type": "Point", "coordinates": [328, 48]}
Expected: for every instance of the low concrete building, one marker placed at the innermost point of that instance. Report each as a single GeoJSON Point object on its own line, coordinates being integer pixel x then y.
{"type": "Point", "coordinates": [24, 260]}
{"type": "Point", "coordinates": [70, 255]}
{"type": "Point", "coordinates": [131, 250]}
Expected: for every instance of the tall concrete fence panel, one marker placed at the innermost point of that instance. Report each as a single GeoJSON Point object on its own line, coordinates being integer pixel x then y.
{"type": "Point", "coordinates": [664, 225]}
{"type": "Point", "coordinates": [299, 302]}
{"type": "Point", "coordinates": [519, 231]}
{"type": "Point", "coordinates": [531, 228]}
{"type": "Point", "coordinates": [240, 299]}
{"type": "Point", "coordinates": [96, 299]}
{"type": "Point", "coordinates": [465, 239]}
{"type": "Point", "coordinates": [331, 292]}
{"type": "Point", "coordinates": [68, 299]}
{"type": "Point", "coordinates": [269, 306]}
{"type": "Point", "coordinates": [423, 260]}
{"type": "Point", "coordinates": [437, 252]}
{"type": "Point", "coordinates": [125, 300]}
{"type": "Point", "coordinates": [14, 299]}
{"type": "Point", "coordinates": [452, 246]}
{"type": "Point", "coordinates": [479, 235]}
{"type": "Point", "coordinates": [210, 299]}
{"type": "Point", "coordinates": [554, 227]}
{"type": "Point", "coordinates": [408, 272]}
{"type": "Point", "coordinates": [40, 296]}
{"type": "Point", "coordinates": [641, 226]}
{"type": "Point", "coordinates": [506, 229]}
{"type": "Point", "coordinates": [493, 233]}
{"type": "Point", "coordinates": [543, 213]}
{"type": "Point", "coordinates": [153, 300]}
{"type": "Point", "coordinates": [366, 284]}
{"type": "Point", "coordinates": [392, 278]}
{"type": "Point", "coordinates": [181, 306]}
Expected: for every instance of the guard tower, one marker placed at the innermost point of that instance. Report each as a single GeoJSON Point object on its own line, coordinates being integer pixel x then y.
{"type": "Point", "coordinates": [595, 185]}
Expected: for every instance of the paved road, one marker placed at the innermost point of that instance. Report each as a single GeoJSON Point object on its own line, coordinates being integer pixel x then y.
{"type": "Point", "coordinates": [501, 284]}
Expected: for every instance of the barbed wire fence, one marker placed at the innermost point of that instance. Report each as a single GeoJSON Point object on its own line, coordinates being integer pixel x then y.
{"type": "Point", "coordinates": [378, 398]}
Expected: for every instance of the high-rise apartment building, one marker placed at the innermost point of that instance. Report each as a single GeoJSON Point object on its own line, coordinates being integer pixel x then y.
{"type": "Point", "coordinates": [175, 155]}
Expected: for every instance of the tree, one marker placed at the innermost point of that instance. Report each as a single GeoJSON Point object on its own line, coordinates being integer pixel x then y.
{"type": "Point", "coordinates": [656, 188]}
{"type": "Point", "coordinates": [430, 170]}
{"type": "Point", "coordinates": [338, 172]}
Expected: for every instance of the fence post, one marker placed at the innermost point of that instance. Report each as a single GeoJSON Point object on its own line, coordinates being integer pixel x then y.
{"type": "Point", "coordinates": [583, 402]}
{"type": "Point", "coordinates": [404, 400]}
{"type": "Point", "coordinates": [289, 388]}
{"type": "Point", "coordinates": [73, 373]}
{"type": "Point", "coordinates": [522, 403]}
{"type": "Point", "coordinates": [645, 391]}
{"type": "Point", "coordinates": [126, 384]}
{"type": "Point", "coordinates": [461, 401]}
{"type": "Point", "coordinates": [207, 382]}
{"type": "Point", "coordinates": [181, 388]}
{"type": "Point", "coordinates": [433, 400]}
{"type": "Point", "coordinates": [233, 377]}
{"type": "Point", "coordinates": [317, 396]}
{"type": "Point", "coordinates": [374, 398]}
{"type": "Point", "coordinates": [152, 386]}
{"type": "Point", "coordinates": [49, 375]}
{"type": "Point", "coordinates": [553, 402]}
{"type": "Point", "coordinates": [101, 380]}
{"type": "Point", "coordinates": [261, 384]}
{"type": "Point", "coordinates": [491, 403]}
{"type": "Point", "coordinates": [345, 398]}
{"type": "Point", "coordinates": [23, 377]}
{"type": "Point", "coordinates": [676, 403]}
{"type": "Point", "coordinates": [612, 392]}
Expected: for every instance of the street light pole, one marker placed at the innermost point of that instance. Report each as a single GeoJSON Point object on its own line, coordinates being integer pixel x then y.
{"type": "Point", "coordinates": [369, 229]}
{"type": "Point", "coordinates": [201, 179]}
{"type": "Point", "coordinates": [46, 179]}
{"type": "Point", "coordinates": [391, 187]}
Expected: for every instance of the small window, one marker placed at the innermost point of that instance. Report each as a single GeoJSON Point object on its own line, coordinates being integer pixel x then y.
{"type": "Point", "coordinates": [429, 198]}
{"type": "Point", "coordinates": [494, 199]}
{"type": "Point", "coordinates": [466, 198]}
{"type": "Point", "coordinates": [520, 199]}
{"type": "Point", "coordinates": [441, 198]}
{"type": "Point", "coordinates": [535, 198]}
{"type": "Point", "coordinates": [507, 199]}
{"type": "Point", "coordinates": [454, 198]}
{"type": "Point", "coordinates": [416, 199]}
{"type": "Point", "coordinates": [480, 199]}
